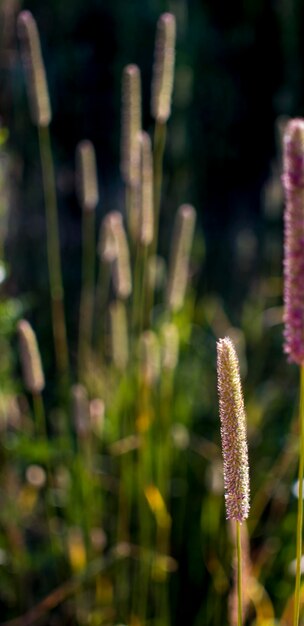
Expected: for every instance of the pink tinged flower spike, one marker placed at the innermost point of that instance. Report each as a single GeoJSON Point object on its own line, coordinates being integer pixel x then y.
{"type": "Point", "coordinates": [293, 182]}
{"type": "Point", "coordinates": [233, 432]}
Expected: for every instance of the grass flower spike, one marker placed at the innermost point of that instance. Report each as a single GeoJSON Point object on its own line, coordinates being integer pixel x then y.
{"type": "Point", "coordinates": [179, 258]}
{"type": "Point", "coordinates": [30, 358]}
{"type": "Point", "coordinates": [233, 432]}
{"type": "Point", "coordinates": [131, 124]}
{"type": "Point", "coordinates": [293, 180]}
{"type": "Point", "coordinates": [163, 70]}
{"type": "Point", "coordinates": [87, 186]}
{"type": "Point", "coordinates": [34, 70]}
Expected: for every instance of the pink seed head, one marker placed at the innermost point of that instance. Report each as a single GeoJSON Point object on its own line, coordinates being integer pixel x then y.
{"type": "Point", "coordinates": [293, 182]}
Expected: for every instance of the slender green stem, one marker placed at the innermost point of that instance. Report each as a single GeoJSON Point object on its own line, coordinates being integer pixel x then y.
{"type": "Point", "coordinates": [300, 504]}
{"type": "Point", "coordinates": [239, 572]}
{"type": "Point", "coordinates": [53, 252]}
{"type": "Point", "coordinates": [39, 415]}
{"type": "Point", "coordinates": [102, 294]}
{"type": "Point", "coordinates": [87, 291]}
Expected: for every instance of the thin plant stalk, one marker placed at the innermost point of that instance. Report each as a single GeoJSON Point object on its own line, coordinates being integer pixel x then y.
{"type": "Point", "coordinates": [53, 252]}
{"type": "Point", "coordinates": [102, 293]}
{"type": "Point", "coordinates": [87, 292]}
{"type": "Point", "coordinates": [239, 572]}
{"type": "Point", "coordinates": [300, 504]}
{"type": "Point", "coordinates": [39, 415]}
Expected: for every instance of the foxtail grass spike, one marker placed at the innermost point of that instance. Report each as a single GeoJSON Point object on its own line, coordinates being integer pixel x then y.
{"type": "Point", "coordinates": [233, 432]}
{"type": "Point", "coordinates": [179, 259]}
{"type": "Point", "coordinates": [293, 181]}
{"type": "Point", "coordinates": [163, 69]}
{"type": "Point", "coordinates": [131, 124]}
{"type": "Point", "coordinates": [113, 248]}
{"type": "Point", "coordinates": [30, 358]}
{"type": "Point", "coordinates": [119, 335]}
{"type": "Point", "coordinates": [121, 266]}
{"type": "Point", "coordinates": [146, 218]}
{"type": "Point", "coordinates": [87, 186]}
{"type": "Point", "coordinates": [107, 245]}
{"type": "Point", "coordinates": [36, 81]}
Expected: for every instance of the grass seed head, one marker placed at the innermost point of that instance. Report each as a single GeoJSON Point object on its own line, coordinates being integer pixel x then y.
{"type": "Point", "coordinates": [86, 176]}
{"type": "Point", "coordinates": [233, 432]}
{"type": "Point", "coordinates": [163, 69]}
{"type": "Point", "coordinates": [30, 358]}
{"type": "Point", "coordinates": [180, 254]}
{"type": "Point", "coordinates": [293, 181]}
{"type": "Point", "coordinates": [130, 124]}
{"type": "Point", "coordinates": [35, 75]}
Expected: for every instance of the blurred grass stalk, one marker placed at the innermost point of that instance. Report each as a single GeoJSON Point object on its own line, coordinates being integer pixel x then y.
{"type": "Point", "coordinates": [161, 94]}
{"type": "Point", "coordinates": [87, 187]}
{"type": "Point", "coordinates": [41, 115]}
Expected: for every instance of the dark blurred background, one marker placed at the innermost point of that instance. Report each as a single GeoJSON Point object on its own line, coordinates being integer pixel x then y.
{"type": "Point", "coordinates": [238, 69]}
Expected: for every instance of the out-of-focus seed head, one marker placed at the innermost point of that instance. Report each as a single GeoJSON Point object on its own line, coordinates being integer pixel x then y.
{"type": "Point", "coordinates": [86, 176]}
{"type": "Point", "coordinates": [146, 212]}
{"type": "Point", "coordinates": [233, 432]}
{"type": "Point", "coordinates": [130, 124]}
{"type": "Point", "coordinates": [163, 69]}
{"type": "Point", "coordinates": [121, 266]}
{"type": "Point", "coordinates": [30, 358]}
{"type": "Point", "coordinates": [107, 246]}
{"type": "Point", "coordinates": [113, 248]}
{"type": "Point", "coordinates": [36, 81]}
{"type": "Point", "coordinates": [119, 335]}
{"type": "Point", "coordinates": [293, 181]}
{"type": "Point", "coordinates": [179, 259]}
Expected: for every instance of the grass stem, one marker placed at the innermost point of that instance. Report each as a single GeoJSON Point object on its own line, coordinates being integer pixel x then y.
{"type": "Point", "coordinates": [300, 504]}
{"type": "Point", "coordinates": [87, 291]}
{"type": "Point", "coordinates": [53, 252]}
{"type": "Point", "coordinates": [239, 572]}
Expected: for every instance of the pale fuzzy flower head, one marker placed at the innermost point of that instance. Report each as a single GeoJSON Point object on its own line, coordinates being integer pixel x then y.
{"type": "Point", "coordinates": [122, 277]}
{"type": "Point", "coordinates": [233, 432]}
{"type": "Point", "coordinates": [146, 210]}
{"type": "Point", "coordinates": [36, 81]}
{"type": "Point", "coordinates": [163, 69]}
{"type": "Point", "coordinates": [107, 246]}
{"type": "Point", "coordinates": [293, 181]}
{"type": "Point", "coordinates": [130, 124]}
{"type": "Point", "coordinates": [86, 176]}
{"type": "Point", "coordinates": [119, 335]}
{"type": "Point", "coordinates": [180, 255]}
{"type": "Point", "coordinates": [30, 358]}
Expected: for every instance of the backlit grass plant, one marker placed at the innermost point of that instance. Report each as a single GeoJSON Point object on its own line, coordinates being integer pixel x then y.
{"type": "Point", "coordinates": [114, 480]}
